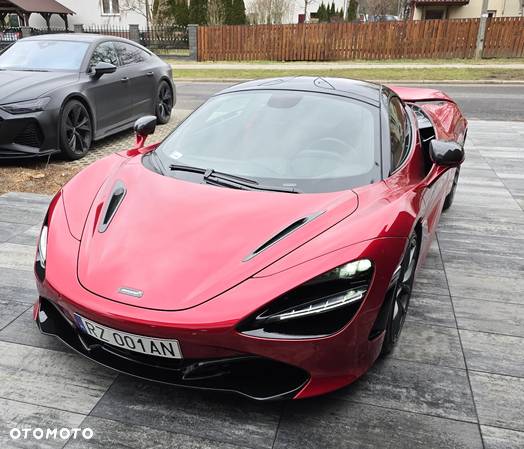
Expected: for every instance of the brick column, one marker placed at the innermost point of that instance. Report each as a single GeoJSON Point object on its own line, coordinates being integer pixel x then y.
{"type": "Point", "coordinates": [134, 33]}
{"type": "Point", "coordinates": [192, 31]}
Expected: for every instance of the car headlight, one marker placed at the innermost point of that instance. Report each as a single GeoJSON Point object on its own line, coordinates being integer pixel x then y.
{"type": "Point", "coordinates": [319, 307]}
{"type": "Point", "coordinates": [24, 107]}
{"type": "Point", "coordinates": [42, 246]}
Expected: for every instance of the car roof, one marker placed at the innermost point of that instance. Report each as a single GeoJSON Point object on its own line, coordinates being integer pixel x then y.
{"type": "Point", "coordinates": [78, 37]}
{"type": "Point", "coordinates": [360, 90]}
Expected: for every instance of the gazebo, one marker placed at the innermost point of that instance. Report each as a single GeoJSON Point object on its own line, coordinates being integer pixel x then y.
{"type": "Point", "coordinates": [24, 8]}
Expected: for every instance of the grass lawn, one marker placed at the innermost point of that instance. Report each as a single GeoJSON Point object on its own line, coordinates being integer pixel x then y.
{"type": "Point", "coordinates": [382, 74]}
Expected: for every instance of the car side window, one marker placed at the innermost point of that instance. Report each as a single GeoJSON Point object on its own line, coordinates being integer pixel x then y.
{"type": "Point", "coordinates": [105, 52]}
{"type": "Point", "coordinates": [129, 54]}
{"type": "Point", "coordinates": [397, 131]}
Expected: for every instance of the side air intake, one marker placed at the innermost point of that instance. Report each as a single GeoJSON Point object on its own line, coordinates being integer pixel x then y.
{"type": "Point", "coordinates": [280, 235]}
{"type": "Point", "coordinates": [115, 199]}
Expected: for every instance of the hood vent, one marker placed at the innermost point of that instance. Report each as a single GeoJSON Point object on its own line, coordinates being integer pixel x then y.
{"type": "Point", "coordinates": [115, 199]}
{"type": "Point", "coordinates": [280, 235]}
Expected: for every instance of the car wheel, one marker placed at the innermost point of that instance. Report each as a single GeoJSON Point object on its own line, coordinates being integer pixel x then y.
{"type": "Point", "coordinates": [164, 104]}
{"type": "Point", "coordinates": [76, 130]}
{"type": "Point", "coordinates": [449, 198]}
{"type": "Point", "coordinates": [401, 295]}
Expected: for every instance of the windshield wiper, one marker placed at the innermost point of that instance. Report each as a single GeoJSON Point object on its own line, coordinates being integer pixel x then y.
{"type": "Point", "coordinates": [211, 176]}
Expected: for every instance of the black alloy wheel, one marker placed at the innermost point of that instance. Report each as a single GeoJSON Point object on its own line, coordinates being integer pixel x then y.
{"type": "Point", "coordinates": [76, 130]}
{"type": "Point", "coordinates": [401, 295]}
{"type": "Point", "coordinates": [164, 104]}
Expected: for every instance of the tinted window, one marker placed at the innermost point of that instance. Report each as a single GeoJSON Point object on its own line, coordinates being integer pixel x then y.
{"type": "Point", "coordinates": [397, 130]}
{"type": "Point", "coordinates": [313, 141]}
{"type": "Point", "coordinates": [104, 52]}
{"type": "Point", "coordinates": [44, 55]}
{"type": "Point", "coordinates": [129, 54]}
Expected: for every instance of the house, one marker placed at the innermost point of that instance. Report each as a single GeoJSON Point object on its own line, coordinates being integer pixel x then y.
{"type": "Point", "coordinates": [464, 9]}
{"type": "Point", "coordinates": [115, 13]}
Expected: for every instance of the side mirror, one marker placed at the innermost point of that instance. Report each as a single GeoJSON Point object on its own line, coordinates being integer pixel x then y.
{"type": "Point", "coordinates": [102, 68]}
{"type": "Point", "coordinates": [446, 154]}
{"type": "Point", "coordinates": [144, 126]}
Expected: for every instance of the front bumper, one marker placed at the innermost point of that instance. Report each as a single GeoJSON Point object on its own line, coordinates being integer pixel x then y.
{"type": "Point", "coordinates": [290, 367]}
{"type": "Point", "coordinates": [28, 135]}
{"type": "Point", "coordinates": [252, 376]}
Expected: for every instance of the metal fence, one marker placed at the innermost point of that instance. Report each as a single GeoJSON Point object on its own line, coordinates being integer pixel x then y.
{"type": "Point", "coordinates": [165, 38]}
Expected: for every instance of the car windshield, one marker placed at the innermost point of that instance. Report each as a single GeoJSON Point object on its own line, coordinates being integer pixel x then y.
{"type": "Point", "coordinates": [43, 55]}
{"type": "Point", "coordinates": [313, 142]}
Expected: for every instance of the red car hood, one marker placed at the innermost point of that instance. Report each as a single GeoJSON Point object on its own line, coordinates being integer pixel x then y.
{"type": "Point", "coordinates": [181, 243]}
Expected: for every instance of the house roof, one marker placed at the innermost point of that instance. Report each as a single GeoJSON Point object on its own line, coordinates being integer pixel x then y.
{"type": "Point", "coordinates": [440, 2]}
{"type": "Point", "coordinates": [38, 6]}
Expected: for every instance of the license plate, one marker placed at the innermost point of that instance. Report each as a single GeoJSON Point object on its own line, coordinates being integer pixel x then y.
{"type": "Point", "coordinates": [137, 343]}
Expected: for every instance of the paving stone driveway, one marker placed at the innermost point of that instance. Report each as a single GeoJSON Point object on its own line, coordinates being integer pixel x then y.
{"type": "Point", "coordinates": [456, 380]}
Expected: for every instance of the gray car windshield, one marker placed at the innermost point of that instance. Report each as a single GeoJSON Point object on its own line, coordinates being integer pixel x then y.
{"type": "Point", "coordinates": [44, 55]}
{"type": "Point", "coordinates": [312, 141]}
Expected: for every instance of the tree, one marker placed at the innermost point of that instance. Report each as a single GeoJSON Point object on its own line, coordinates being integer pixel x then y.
{"type": "Point", "coordinates": [332, 10]}
{"type": "Point", "coordinates": [269, 11]}
{"type": "Point", "coordinates": [352, 10]}
{"type": "Point", "coordinates": [307, 3]}
{"type": "Point", "coordinates": [381, 7]}
{"type": "Point", "coordinates": [238, 13]}
{"type": "Point", "coordinates": [216, 12]}
{"type": "Point", "coordinates": [180, 12]}
{"type": "Point", "coordinates": [198, 12]}
{"type": "Point", "coordinates": [322, 13]}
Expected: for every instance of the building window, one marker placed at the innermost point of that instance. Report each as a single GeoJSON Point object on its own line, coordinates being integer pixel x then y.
{"type": "Point", "coordinates": [110, 7]}
{"type": "Point", "coordinates": [434, 13]}
{"type": "Point", "coordinates": [492, 14]}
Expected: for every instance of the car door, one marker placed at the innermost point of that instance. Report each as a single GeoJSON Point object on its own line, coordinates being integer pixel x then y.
{"type": "Point", "coordinates": [111, 92]}
{"type": "Point", "coordinates": [139, 66]}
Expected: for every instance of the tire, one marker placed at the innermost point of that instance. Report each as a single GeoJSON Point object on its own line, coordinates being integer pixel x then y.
{"type": "Point", "coordinates": [451, 195]}
{"type": "Point", "coordinates": [401, 296]}
{"type": "Point", "coordinates": [76, 130]}
{"type": "Point", "coordinates": [164, 103]}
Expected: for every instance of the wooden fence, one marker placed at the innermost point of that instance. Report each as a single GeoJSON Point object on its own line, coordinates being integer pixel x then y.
{"type": "Point", "coordinates": [347, 41]}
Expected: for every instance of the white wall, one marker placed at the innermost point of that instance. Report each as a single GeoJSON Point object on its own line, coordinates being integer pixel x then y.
{"type": "Point", "coordinates": [503, 8]}
{"type": "Point", "coordinates": [89, 12]}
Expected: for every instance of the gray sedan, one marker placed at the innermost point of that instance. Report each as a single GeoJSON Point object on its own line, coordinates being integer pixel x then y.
{"type": "Point", "coordinates": [60, 92]}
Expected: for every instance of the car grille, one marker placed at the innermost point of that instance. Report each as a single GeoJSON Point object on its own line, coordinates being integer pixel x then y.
{"type": "Point", "coordinates": [30, 136]}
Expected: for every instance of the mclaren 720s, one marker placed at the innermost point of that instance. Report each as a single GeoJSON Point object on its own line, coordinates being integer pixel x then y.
{"type": "Point", "coordinates": [268, 246]}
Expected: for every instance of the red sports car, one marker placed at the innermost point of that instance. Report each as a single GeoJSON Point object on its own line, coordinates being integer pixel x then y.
{"type": "Point", "coordinates": [267, 246]}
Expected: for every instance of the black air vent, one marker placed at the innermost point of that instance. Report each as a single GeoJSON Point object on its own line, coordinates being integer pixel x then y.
{"type": "Point", "coordinates": [115, 199]}
{"type": "Point", "coordinates": [280, 235]}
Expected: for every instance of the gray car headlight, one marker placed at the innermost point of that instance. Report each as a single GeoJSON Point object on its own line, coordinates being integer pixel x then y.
{"type": "Point", "coordinates": [24, 107]}
{"type": "Point", "coordinates": [318, 307]}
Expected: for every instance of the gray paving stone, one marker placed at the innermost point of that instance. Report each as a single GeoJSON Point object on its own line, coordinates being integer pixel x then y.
{"type": "Point", "coordinates": [118, 435]}
{"type": "Point", "coordinates": [492, 353]}
{"type": "Point", "coordinates": [489, 316]}
{"type": "Point", "coordinates": [499, 400]}
{"type": "Point", "coordinates": [431, 309]}
{"type": "Point", "coordinates": [435, 345]}
{"type": "Point", "coordinates": [24, 331]}
{"type": "Point", "coordinates": [17, 257]}
{"type": "Point", "coordinates": [25, 197]}
{"type": "Point", "coordinates": [221, 417]}
{"type": "Point", "coordinates": [18, 212]}
{"type": "Point", "coordinates": [431, 282]}
{"type": "Point", "coordinates": [28, 236]}
{"type": "Point", "coordinates": [496, 438]}
{"type": "Point", "coordinates": [10, 310]}
{"type": "Point", "coordinates": [10, 230]}
{"type": "Point", "coordinates": [414, 387]}
{"type": "Point", "coordinates": [28, 416]}
{"type": "Point", "coordinates": [51, 378]}
{"type": "Point", "coordinates": [18, 285]}
{"type": "Point", "coordinates": [323, 423]}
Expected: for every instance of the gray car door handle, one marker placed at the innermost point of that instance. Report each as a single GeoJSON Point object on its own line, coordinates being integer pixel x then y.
{"type": "Point", "coordinates": [125, 79]}
{"type": "Point", "coordinates": [149, 73]}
